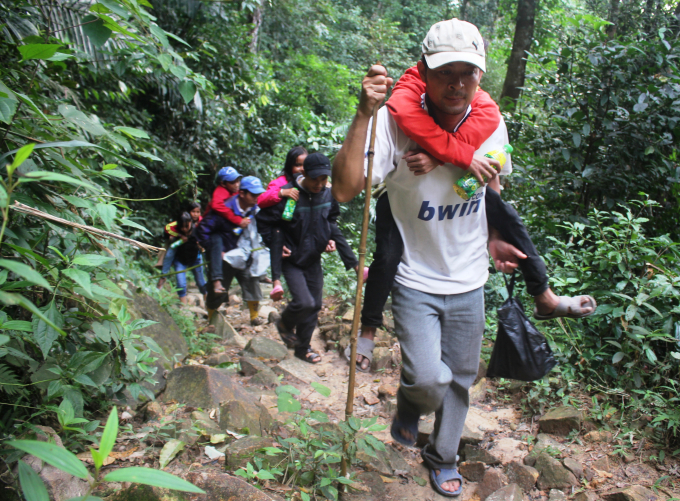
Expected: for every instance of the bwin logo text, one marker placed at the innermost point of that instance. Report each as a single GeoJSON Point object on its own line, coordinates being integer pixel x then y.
{"type": "Point", "coordinates": [449, 212]}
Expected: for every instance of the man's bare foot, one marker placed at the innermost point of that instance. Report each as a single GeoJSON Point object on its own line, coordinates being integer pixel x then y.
{"type": "Point", "coordinates": [161, 283]}
{"type": "Point", "coordinates": [451, 485]}
{"type": "Point", "coordinates": [368, 333]}
{"type": "Point", "coordinates": [184, 300]}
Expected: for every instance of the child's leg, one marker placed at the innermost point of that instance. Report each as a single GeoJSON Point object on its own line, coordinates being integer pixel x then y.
{"type": "Point", "coordinates": [306, 287]}
{"type": "Point", "coordinates": [199, 276]}
{"type": "Point", "coordinates": [216, 260]}
{"type": "Point", "coordinates": [275, 253]}
{"type": "Point", "coordinates": [388, 251]}
{"type": "Point", "coordinates": [167, 265]}
{"type": "Point", "coordinates": [252, 294]}
{"type": "Point", "coordinates": [504, 218]}
{"type": "Point", "coordinates": [181, 282]}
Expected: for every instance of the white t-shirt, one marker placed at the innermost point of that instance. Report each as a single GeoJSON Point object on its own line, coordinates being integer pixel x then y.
{"type": "Point", "coordinates": [445, 237]}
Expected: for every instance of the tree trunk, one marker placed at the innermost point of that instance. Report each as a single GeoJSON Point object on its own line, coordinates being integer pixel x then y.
{"type": "Point", "coordinates": [256, 20]}
{"type": "Point", "coordinates": [463, 10]}
{"type": "Point", "coordinates": [524, 35]}
{"type": "Point", "coordinates": [613, 18]}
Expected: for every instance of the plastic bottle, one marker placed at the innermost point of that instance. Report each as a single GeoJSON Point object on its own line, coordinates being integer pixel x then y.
{"type": "Point", "coordinates": [289, 210]}
{"type": "Point", "coordinates": [467, 185]}
{"type": "Point", "coordinates": [176, 243]}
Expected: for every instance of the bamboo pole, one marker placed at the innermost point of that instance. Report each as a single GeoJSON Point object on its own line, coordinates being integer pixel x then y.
{"type": "Point", "coordinates": [349, 409]}
{"type": "Point", "coordinates": [30, 211]}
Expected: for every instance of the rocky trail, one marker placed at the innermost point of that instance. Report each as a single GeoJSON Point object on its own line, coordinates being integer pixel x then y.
{"type": "Point", "coordinates": [218, 408]}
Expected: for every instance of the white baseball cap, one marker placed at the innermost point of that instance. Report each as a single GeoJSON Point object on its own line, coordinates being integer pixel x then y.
{"type": "Point", "coordinates": [454, 41]}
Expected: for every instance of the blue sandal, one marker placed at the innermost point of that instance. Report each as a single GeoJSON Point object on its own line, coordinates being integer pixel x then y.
{"type": "Point", "coordinates": [405, 423]}
{"type": "Point", "coordinates": [446, 476]}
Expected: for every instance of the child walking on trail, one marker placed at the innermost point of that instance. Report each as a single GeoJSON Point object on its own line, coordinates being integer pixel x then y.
{"type": "Point", "coordinates": [228, 181]}
{"type": "Point", "coordinates": [276, 192]}
{"type": "Point", "coordinates": [311, 231]}
{"type": "Point", "coordinates": [220, 236]}
{"type": "Point", "coordinates": [184, 252]}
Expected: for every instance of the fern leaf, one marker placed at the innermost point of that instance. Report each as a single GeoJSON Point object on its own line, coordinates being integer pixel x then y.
{"type": "Point", "coordinates": [8, 381]}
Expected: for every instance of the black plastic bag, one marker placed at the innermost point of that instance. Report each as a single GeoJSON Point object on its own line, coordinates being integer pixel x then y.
{"type": "Point", "coordinates": [520, 351]}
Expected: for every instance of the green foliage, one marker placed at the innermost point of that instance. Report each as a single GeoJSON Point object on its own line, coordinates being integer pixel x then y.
{"type": "Point", "coordinates": [310, 457]}
{"type": "Point", "coordinates": [34, 489]}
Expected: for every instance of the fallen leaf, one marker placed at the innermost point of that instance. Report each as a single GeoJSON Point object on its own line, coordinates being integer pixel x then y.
{"type": "Point", "coordinates": [213, 453]}
{"type": "Point", "coordinates": [604, 474]}
{"type": "Point", "coordinates": [388, 480]}
{"type": "Point", "coordinates": [169, 451]}
{"type": "Point", "coordinates": [218, 438]}
{"type": "Point", "coordinates": [123, 454]}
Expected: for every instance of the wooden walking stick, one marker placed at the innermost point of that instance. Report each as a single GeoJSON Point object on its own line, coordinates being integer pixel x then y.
{"type": "Point", "coordinates": [349, 409]}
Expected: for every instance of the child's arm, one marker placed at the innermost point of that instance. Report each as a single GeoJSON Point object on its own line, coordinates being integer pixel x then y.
{"type": "Point", "coordinates": [456, 148]}
{"type": "Point", "coordinates": [271, 196]}
{"type": "Point", "coordinates": [346, 254]}
{"type": "Point", "coordinates": [220, 195]}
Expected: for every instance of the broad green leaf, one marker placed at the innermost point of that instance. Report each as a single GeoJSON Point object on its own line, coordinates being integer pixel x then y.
{"type": "Point", "coordinates": [132, 132]}
{"type": "Point", "coordinates": [169, 451]}
{"type": "Point", "coordinates": [149, 156]}
{"type": "Point", "coordinates": [52, 454]}
{"type": "Point", "coordinates": [17, 325]}
{"type": "Point", "coordinates": [37, 51]}
{"type": "Point", "coordinates": [3, 196]}
{"type": "Point", "coordinates": [78, 202]}
{"type": "Point", "coordinates": [108, 213]}
{"type": "Point", "coordinates": [127, 222]}
{"type": "Point", "coordinates": [149, 476]}
{"type": "Point", "coordinates": [265, 475]}
{"type": "Point", "coordinates": [21, 156]}
{"type": "Point", "coordinates": [116, 7]}
{"type": "Point", "coordinates": [109, 435]}
{"type": "Point", "coordinates": [18, 300]}
{"type": "Point", "coordinates": [80, 119]}
{"type": "Point", "coordinates": [4, 339]}
{"type": "Point", "coordinates": [66, 411]}
{"type": "Point", "coordinates": [55, 176]}
{"type": "Point", "coordinates": [8, 104]}
{"type": "Point", "coordinates": [618, 356]}
{"type": "Point", "coordinates": [97, 458]}
{"type": "Point", "coordinates": [60, 56]}
{"type": "Point", "coordinates": [27, 100]}
{"type": "Point", "coordinates": [159, 33]}
{"type": "Point", "coordinates": [118, 174]}
{"type": "Point", "coordinates": [286, 388]}
{"type": "Point", "coordinates": [187, 89]}
{"type": "Point", "coordinates": [324, 390]}
{"type": "Point", "coordinates": [286, 403]}
{"type": "Point", "coordinates": [44, 333]}
{"type": "Point", "coordinates": [95, 30]}
{"type": "Point", "coordinates": [80, 277]}
{"type": "Point", "coordinates": [91, 259]}
{"type": "Point", "coordinates": [31, 484]}
{"type": "Point", "coordinates": [25, 271]}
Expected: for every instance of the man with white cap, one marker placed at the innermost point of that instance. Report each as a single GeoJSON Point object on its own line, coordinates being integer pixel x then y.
{"type": "Point", "coordinates": [438, 297]}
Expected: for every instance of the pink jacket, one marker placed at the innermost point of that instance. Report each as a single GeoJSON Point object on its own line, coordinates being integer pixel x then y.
{"type": "Point", "coordinates": [271, 196]}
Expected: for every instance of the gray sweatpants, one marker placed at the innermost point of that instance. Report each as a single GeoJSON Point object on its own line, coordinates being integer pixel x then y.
{"type": "Point", "coordinates": [440, 338]}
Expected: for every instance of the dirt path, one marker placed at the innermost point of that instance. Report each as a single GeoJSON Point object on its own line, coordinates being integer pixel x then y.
{"type": "Point", "coordinates": [497, 439]}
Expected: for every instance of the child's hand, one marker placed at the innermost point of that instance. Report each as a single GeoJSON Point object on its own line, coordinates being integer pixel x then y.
{"type": "Point", "coordinates": [290, 193]}
{"type": "Point", "coordinates": [244, 222]}
{"type": "Point", "coordinates": [420, 162]}
{"type": "Point", "coordinates": [286, 252]}
{"type": "Point", "coordinates": [184, 238]}
{"type": "Point", "coordinates": [331, 246]}
{"type": "Point", "coordinates": [484, 166]}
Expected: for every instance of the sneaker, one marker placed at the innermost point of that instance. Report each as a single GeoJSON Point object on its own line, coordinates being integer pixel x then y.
{"type": "Point", "coordinates": [257, 321]}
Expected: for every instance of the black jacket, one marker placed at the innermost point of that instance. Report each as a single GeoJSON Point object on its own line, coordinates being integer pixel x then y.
{"type": "Point", "coordinates": [312, 226]}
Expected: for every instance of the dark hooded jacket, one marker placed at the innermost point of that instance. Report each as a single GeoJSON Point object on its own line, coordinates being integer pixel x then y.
{"type": "Point", "coordinates": [312, 226]}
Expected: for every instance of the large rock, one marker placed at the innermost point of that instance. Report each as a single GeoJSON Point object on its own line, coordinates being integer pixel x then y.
{"type": "Point", "coordinates": [511, 492]}
{"type": "Point", "coordinates": [262, 347]}
{"type": "Point", "coordinates": [573, 466]}
{"type": "Point", "coordinates": [544, 443]}
{"type": "Point", "coordinates": [251, 366]}
{"type": "Point", "coordinates": [472, 471]}
{"type": "Point", "coordinates": [382, 359]}
{"type": "Point", "coordinates": [165, 333]}
{"type": "Point", "coordinates": [492, 481]}
{"type": "Point", "coordinates": [475, 454]}
{"type": "Point", "coordinates": [298, 369]}
{"type": "Point", "coordinates": [217, 486]}
{"type": "Point", "coordinates": [245, 416]}
{"type": "Point", "coordinates": [203, 386]}
{"type": "Point", "coordinates": [556, 495]}
{"type": "Point", "coordinates": [634, 493]}
{"type": "Point", "coordinates": [387, 463]}
{"type": "Point", "coordinates": [225, 330]}
{"type": "Point", "coordinates": [561, 420]}
{"type": "Point", "coordinates": [265, 377]}
{"type": "Point", "coordinates": [586, 496]}
{"type": "Point", "coordinates": [242, 450]}
{"type": "Point", "coordinates": [553, 474]}
{"type": "Point", "coordinates": [522, 475]}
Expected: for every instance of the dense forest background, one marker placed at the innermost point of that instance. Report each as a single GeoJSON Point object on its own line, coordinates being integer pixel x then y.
{"type": "Point", "coordinates": [132, 106]}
